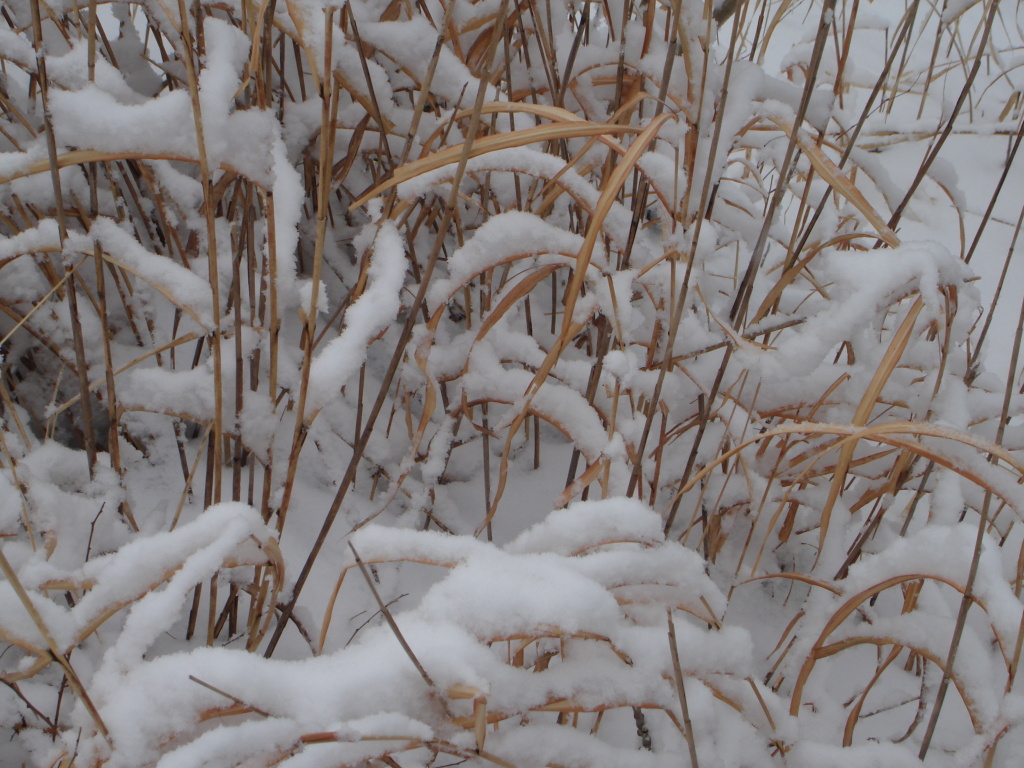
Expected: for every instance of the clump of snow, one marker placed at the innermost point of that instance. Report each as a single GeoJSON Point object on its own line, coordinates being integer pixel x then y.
{"type": "Point", "coordinates": [371, 313]}
{"type": "Point", "coordinates": [585, 525]}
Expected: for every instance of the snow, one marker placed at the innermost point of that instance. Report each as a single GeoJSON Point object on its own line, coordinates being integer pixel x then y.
{"type": "Point", "coordinates": [182, 287]}
{"type": "Point", "coordinates": [862, 756]}
{"type": "Point", "coordinates": [955, 8]}
{"type": "Point", "coordinates": [544, 640]}
{"type": "Point", "coordinates": [91, 117]}
{"type": "Point", "coordinates": [533, 593]}
{"type": "Point", "coordinates": [582, 526]}
{"type": "Point", "coordinates": [560, 405]}
{"type": "Point", "coordinates": [371, 313]}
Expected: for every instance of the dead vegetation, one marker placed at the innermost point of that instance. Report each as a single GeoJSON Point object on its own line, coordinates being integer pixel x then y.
{"type": "Point", "coordinates": [333, 263]}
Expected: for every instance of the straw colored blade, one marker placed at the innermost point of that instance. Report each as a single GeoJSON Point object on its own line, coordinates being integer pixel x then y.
{"type": "Point", "coordinates": [839, 181]}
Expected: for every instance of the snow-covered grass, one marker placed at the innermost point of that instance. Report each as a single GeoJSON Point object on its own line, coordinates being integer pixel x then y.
{"type": "Point", "coordinates": [510, 383]}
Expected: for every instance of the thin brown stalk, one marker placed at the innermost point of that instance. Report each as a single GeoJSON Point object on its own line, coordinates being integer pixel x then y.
{"type": "Point", "coordinates": [81, 366]}
{"type": "Point", "coordinates": [386, 613]}
{"type": "Point", "coordinates": [217, 435]}
{"type": "Point", "coordinates": [680, 302]}
{"type": "Point", "coordinates": [328, 121]}
{"type": "Point", "coordinates": [947, 129]}
{"type": "Point", "coordinates": [396, 358]}
{"type": "Point", "coordinates": [965, 603]}
{"type": "Point", "coordinates": [739, 308]}
{"type": "Point", "coordinates": [681, 691]}
{"type": "Point", "coordinates": [51, 644]}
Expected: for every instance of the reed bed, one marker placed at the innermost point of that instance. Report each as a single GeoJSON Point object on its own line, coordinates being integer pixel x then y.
{"type": "Point", "coordinates": [306, 307]}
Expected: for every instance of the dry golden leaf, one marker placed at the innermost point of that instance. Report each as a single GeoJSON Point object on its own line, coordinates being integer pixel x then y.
{"type": "Point", "coordinates": [839, 181]}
